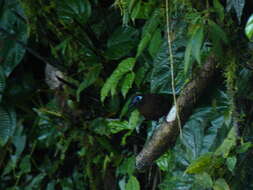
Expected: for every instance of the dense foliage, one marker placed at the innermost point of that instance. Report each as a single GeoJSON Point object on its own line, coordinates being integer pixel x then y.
{"type": "Point", "coordinates": [79, 133]}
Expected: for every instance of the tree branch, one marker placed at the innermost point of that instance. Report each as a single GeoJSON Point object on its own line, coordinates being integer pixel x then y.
{"type": "Point", "coordinates": [165, 136]}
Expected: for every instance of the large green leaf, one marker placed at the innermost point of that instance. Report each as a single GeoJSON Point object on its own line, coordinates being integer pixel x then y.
{"type": "Point", "coordinates": [69, 10]}
{"type": "Point", "coordinates": [249, 28]}
{"type": "Point", "coordinates": [11, 52]}
{"type": "Point", "coordinates": [221, 184]}
{"type": "Point", "coordinates": [161, 72]}
{"type": "Point", "coordinates": [202, 134]}
{"type": "Point", "coordinates": [111, 83]}
{"type": "Point", "coordinates": [127, 83]}
{"type": "Point", "coordinates": [133, 183]}
{"type": "Point", "coordinates": [148, 31]}
{"type": "Point", "coordinates": [7, 124]}
{"type": "Point", "coordinates": [194, 47]}
{"type": "Point", "coordinates": [121, 42]}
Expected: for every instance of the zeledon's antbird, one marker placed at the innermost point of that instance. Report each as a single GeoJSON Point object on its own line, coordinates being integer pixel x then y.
{"type": "Point", "coordinates": [152, 106]}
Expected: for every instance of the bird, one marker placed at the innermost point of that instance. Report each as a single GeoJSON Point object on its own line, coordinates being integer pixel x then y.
{"type": "Point", "coordinates": [152, 106]}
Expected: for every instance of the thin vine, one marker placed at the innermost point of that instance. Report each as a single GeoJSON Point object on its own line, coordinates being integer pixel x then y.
{"type": "Point", "coordinates": [171, 60]}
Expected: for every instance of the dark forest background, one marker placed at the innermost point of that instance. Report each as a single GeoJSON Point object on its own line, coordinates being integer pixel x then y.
{"type": "Point", "coordinates": [68, 72]}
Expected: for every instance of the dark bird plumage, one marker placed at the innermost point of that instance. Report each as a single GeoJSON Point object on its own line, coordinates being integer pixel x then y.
{"type": "Point", "coordinates": [152, 106]}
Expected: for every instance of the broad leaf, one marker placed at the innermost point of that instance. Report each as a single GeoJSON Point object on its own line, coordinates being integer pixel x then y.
{"type": "Point", "coordinates": [133, 184]}
{"type": "Point", "coordinates": [127, 83]}
{"type": "Point", "coordinates": [194, 47]}
{"type": "Point", "coordinates": [221, 184]}
{"type": "Point", "coordinates": [15, 29]}
{"type": "Point", "coordinates": [69, 10]}
{"type": "Point", "coordinates": [121, 42]}
{"type": "Point", "coordinates": [111, 83]}
{"type": "Point", "coordinates": [249, 28]}
{"type": "Point", "coordinates": [148, 31]}
{"type": "Point", "coordinates": [7, 124]}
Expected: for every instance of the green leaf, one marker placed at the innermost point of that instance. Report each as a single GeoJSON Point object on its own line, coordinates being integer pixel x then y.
{"type": "Point", "coordinates": [194, 47]}
{"type": "Point", "coordinates": [219, 9]}
{"type": "Point", "coordinates": [7, 124]}
{"type": "Point", "coordinates": [164, 161]}
{"type": "Point", "coordinates": [218, 31]}
{"type": "Point", "coordinates": [25, 164]}
{"type": "Point", "coordinates": [197, 41]}
{"type": "Point", "coordinates": [221, 184]}
{"type": "Point", "coordinates": [201, 164]}
{"type": "Point", "coordinates": [218, 37]}
{"type": "Point", "coordinates": [127, 166]}
{"type": "Point", "coordinates": [228, 144]}
{"type": "Point", "coordinates": [244, 147]}
{"type": "Point", "coordinates": [121, 42]}
{"type": "Point", "coordinates": [90, 78]}
{"type": "Point", "coordinates": [68, 10]}
{"type": "Point", "coordinates": [155, 42]}
{"type": "Point", "coordinates": [249, 28]}
{"type": "Point", "coordinates": [204, 179]}
{"type": "Point", "coordinates": [187, 57]}
{"type": "Point", "coordinates": [36, 181]}
{"type": "Point", "coordinates": [140, 75]}
{"type": "Point", "coordinates": [127, 83]}
{"type": "Point", "coordinates": [142, 10]}
{"type": "Point", "coordinates": [134, 119]}
{"type": "Point", "coordinates": [143, 43]}
{"type": "Point", "coordinates": [133, 183]}
{"type": "Point", "coordinates": [117, 126]}
{"type": "Point", "coordinates": [111, 83]}
{"type": "Point", "coordinates": [12, 52]}
{"type": "Point", "coordinates": [161, 72]}
{"type": "Point", "coordinates": [148, 31]}
{"type": "Point", "coordinates": [231, 162]}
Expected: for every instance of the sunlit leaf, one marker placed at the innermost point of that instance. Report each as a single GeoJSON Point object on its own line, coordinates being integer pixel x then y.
{"type": "Point", "coordinates": [132, 183]}
{"type": "Point", "coordinates": [249, 28]}
{"type": "Point", "coordinates": [201, 164]}
{"type": "Point", "coordinates": [231, 162]}
{"type": "Point", "coordinates": [111, 83]}
{"type": "Point", "coordinates": [148, 31]}
{"type": "Point", "coordinates": [134, 119]}
{"type": "Point", "coordinates": [140, 75]}
{"type": "Point", "coordinates": [127, 83]}
{"type": "Point", "coordinates": [194, 47]}
{"type": "Point", "coordinates": [155, 43]}
{"type": "Point", "coordinates": [228, 144]}
{"type": "Point", "coordinates": [117, 126]}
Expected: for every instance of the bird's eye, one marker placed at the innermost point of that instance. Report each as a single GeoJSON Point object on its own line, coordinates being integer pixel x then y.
{"type": "Point", "coordinates": [137, 100]}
